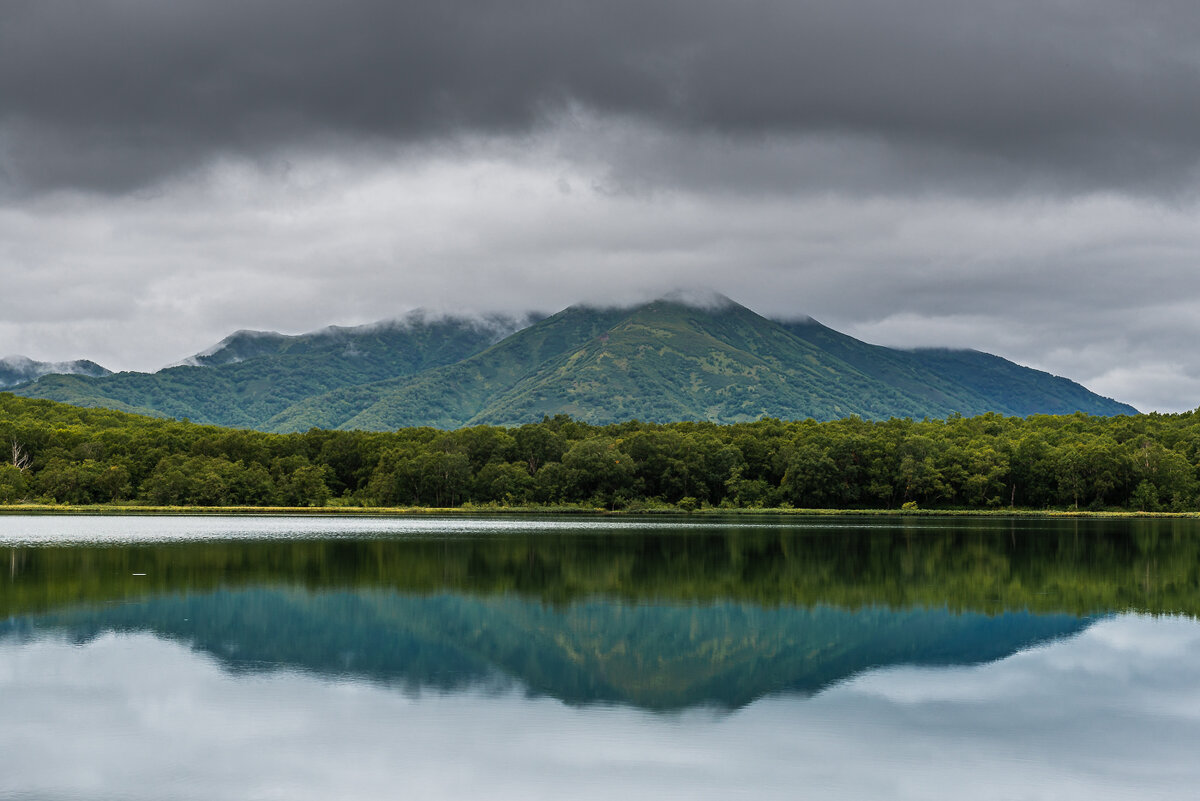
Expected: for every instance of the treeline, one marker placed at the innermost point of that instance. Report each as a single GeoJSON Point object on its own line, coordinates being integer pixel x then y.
{"type": "Point", "coordinates": [67, 454]}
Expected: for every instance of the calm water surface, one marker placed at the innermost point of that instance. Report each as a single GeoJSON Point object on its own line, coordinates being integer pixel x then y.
{"type": "Point", "coordinates": [318, 658]}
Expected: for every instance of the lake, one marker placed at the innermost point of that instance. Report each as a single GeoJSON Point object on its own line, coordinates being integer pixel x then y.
{"type": "Point", "coordinates": [537, 658]}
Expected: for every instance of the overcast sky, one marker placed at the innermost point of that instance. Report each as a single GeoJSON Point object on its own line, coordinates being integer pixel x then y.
{"type": "Point", "coordinates": [1016, 177]}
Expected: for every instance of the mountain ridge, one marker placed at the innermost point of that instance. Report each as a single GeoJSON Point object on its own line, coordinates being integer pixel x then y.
{"type": "Point", "coordinates": [16, 370]}
{"type": "Point", "coordinates": [589, 378]}
{"type": "Point", "coordinates": [930, 371]}
{"type": "Point", "coordinates": [661, 361]}
{"type": "Point", "coordinates": [262, 373]}
{"type": "Point", "coordinates": [245, 344]}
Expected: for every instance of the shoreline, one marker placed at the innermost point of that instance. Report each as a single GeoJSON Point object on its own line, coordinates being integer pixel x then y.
{"type": "Point", "coordinates": [502, 511]}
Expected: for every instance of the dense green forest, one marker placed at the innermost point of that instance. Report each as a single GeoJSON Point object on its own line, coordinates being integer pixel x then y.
{"type": "Point", "coordinates": [67, 454]}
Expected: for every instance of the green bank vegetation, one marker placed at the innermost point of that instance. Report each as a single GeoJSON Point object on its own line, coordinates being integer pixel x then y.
{"type": "Point", "coordinates": [61, 454]}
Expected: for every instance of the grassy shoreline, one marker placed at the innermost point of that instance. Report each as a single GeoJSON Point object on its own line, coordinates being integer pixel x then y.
{"type": "Point", "coordinates": [471, 510]}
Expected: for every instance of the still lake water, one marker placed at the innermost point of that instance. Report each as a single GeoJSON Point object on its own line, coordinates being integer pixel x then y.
{"type": "Point", "coordinates": [381, 658]}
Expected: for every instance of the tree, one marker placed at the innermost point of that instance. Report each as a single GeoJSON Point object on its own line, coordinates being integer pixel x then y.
{"type": "Point", "coordinates": [307, 486]}
{"type": "Point", "coordinates": [503, 482]}
{"type": "Point", "coordinates": [13, 487]}
{"type": "Point", "coordinates": [603, 470]}
{"type": "Point", "coordinates": [20, 459]}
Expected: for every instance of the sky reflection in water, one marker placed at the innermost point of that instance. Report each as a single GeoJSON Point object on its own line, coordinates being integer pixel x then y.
{"type": "Point", "coordinates": [367, 669]}
{"type": "Point", "coordinates": [1111, 713]}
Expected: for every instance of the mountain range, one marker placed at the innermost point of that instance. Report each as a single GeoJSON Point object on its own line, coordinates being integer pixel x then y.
{"type": "Point", "coordinates": [17, 370]}
{"type": "Point", "coordinates": [666, 360]}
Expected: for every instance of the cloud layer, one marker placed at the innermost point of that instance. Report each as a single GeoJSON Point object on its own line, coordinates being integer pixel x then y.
{"type": "Point", "coordinates": [115, 93]}
{"type": "Point", "coordinates": [1018, 178]}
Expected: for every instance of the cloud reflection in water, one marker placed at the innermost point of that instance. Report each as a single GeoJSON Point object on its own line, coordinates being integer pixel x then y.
{"type": "Point", "coordinates": [1111, 713]}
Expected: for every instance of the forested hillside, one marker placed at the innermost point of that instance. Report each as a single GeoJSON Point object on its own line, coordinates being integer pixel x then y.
{"type": "Point", "coordinates": [668, 361]}
{"type": "Point", "coordinates": [68, 454]}
{"type": "Point", "coordinates": [251, 376]}
{"type": "Point", "coordinates": [664, 361]}
{"type": "Point", "coordinates": [967, 382]}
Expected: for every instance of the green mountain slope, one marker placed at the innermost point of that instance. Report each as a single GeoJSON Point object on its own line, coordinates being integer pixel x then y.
{"type": "Point", "coordinates": [1012, 389]}
{"type": "Point", "coordinates": [251, 376]}
{"type": "Point", "coordinates": [668, 361]}
{"type": "Point", "coordinates": [663, 361]}
{"type": "Point", "coordinates": [449, 396]}
{"type": "Point", "coordinates": [966, 381]}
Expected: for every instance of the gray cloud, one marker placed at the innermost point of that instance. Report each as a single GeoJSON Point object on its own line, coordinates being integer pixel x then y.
{"type": "Point", "coordinates": [115, 94]}
{"type": "Point", "coordinates": [1019, 178]}
{"type": "Point", "coordinates": [1099, 288]}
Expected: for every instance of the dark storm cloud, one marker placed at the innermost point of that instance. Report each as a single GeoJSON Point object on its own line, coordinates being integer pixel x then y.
{"type": "Point", "coordinates": [113, 94]}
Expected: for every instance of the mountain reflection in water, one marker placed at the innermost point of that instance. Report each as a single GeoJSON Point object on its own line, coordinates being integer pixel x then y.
{"type": "Point", "coordinates": [659, 619]}
{"type": "Point", "coordinates": [309, 659]}
{"type": "Point", "coordinates": [655, 656]}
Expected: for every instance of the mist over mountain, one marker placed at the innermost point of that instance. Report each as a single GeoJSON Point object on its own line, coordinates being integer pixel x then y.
{"type": "Point", "coordinates": [250, 376]}
{"type": "Point", "coordinates": [369, 342]}
{"type": "Point", "coordinates": [683, 357]}
{"type": "Point", "coordinates": [17, 370]}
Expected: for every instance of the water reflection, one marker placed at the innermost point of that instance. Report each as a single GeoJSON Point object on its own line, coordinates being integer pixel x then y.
{"type": "Point", "coordinates": [989, 660]}
{"type": "Point", "coordinates": [1073, 567]}
{"type": "Point", "coordinates": [1110, 713]}
{"type": "Point", "coordinates": [656, 656]}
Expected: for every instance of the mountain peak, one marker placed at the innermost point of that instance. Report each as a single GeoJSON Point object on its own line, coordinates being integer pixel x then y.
{"type": "Point", "coordinates": [704, 299]}
{"type": "Point", "coordinates": [237, 347]}
{"type": "Point", "coordinates": [688, 355]}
